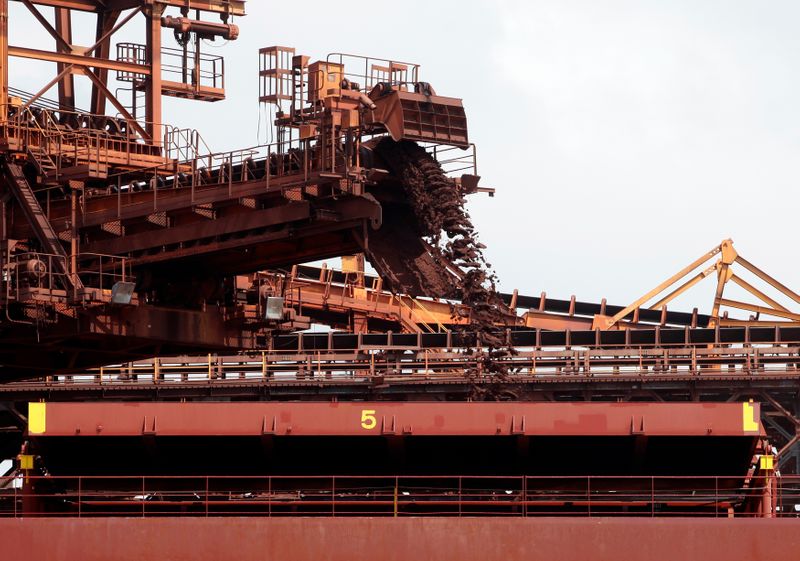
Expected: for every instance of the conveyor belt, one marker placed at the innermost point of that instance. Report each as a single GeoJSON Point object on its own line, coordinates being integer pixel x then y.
{"type": "Point", "coordinates": [553, 305]}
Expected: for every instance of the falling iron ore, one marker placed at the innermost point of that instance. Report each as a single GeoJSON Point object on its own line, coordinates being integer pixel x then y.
{"type": "Point", "coordinates": [432, 250]}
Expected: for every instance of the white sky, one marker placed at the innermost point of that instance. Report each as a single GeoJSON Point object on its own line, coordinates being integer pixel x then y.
{"type": "Point", "coordinates": [624, 138]}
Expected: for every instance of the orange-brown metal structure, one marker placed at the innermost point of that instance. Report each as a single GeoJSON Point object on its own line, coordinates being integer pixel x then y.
{"type": "Point", "coordinates": [777, 313]}
{"type": "Point", "coordinates": [124, 239]}
{"type": "Point", "coordinates": [116, 226]}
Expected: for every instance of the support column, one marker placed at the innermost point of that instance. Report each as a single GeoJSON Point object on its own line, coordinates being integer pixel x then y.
{"type": "Point", "coordinates": [153, 88]}
{"type": "Point", "coordinates": [66, 85]}
{"type": "Point", "coordinates": [3, 60]}
{"type": "Point", "coordinates": [796, 450]}
{"type": "Point", "coordinates": [105, 23]}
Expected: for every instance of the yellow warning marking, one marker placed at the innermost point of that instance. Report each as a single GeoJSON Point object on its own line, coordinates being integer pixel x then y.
{"type": "Point", "coordinates": [37, 418]}
{"type": "Point", "coordinates": [25, 461]}
{"type": "Point", "coordinates": [749, 421]}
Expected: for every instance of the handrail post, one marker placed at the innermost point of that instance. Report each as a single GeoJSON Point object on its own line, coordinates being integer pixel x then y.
{"type": "Point", "coordinates": [460, 495]}
{"type": "Point", "coordinates": [396, 492]}
{"type": "Point", "coordinates": [80, 495]}
{"type": "Point", "coordinates": [524, 496]}
{"type": "Point", "coordinates": [333, 496]}
{"type": "Point", "coordinates": [207, 496]}
{"type": "Point", "coordinates": [589, 495]}
{"type": "Point", "coordinates": [652, 496]}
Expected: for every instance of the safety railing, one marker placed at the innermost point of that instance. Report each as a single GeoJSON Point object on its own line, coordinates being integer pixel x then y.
{"type": "Point", "coordinates": [184, 145]}
{"type": "Point", "coordinates": [36, 275]}
{"type": "Point", "coordinates": [404, 363]}
{"type": "Point", "coordinates": [44, 277]}
{"type": "Point", "coordinates": [283, 166]}
{"type": "Point", "coordinates": [370, 71]}
{"type": "Point", "coordinates": [350, 293]}
{"type": "Point", "coordinates": [57, 139]}
{"type": "Point", "coordinates": [119, 134]}
{"type": "Point", "coordinates": [399, 495]}
{"type": "Point", "coordinates": [102, 271]}
{"type": "Point", "coordinates": [455, 161]}
{"type": "Point", "coordinates": [182, 66]}
{"type": "Point", "coordinates": [194, 69]}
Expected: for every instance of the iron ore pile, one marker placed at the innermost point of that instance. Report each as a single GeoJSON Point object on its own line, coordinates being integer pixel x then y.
{"type": "Point", "coordinates": [432, 249]}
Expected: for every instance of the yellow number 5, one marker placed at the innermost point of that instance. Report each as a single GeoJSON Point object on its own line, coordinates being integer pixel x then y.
{"type": "Point", "coordinates": [368, 420]}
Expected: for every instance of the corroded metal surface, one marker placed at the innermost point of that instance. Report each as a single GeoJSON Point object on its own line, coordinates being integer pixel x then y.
{"type": "Point", "coordinates": [412, 539]}
{"type": "Point", "coordinates": [101, 420]}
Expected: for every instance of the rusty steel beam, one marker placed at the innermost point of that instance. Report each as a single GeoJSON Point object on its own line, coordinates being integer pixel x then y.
{"type": "Point", "coordinates": [78, 60]}
{"type": "Point", "coordinates": [232, 7]}
{"type": "Point", "coordinates": [3, 59]}
{"type": "Point", "coordinates": [244, 221]}
{"type": "Point", "coordinates": [381, 418]}
{"type": "Point", "coordinates": [100, 210]}
{"type": "Point", "coordinates": [85, 5]}
{"type": "Point", "coordinates": [152, 109]}
{"type": "Point", "coordinates": [402, 539]}
{"type": "Point", "coordinates": [63, 40]}
{"type": "Point", "coordinates": [66, 86]}
{"type": "Point", "coordinates": [106, 26]}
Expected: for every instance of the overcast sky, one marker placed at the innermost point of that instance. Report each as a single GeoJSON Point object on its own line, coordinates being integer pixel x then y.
{"type": "Point", "coordinates": [624, 138]}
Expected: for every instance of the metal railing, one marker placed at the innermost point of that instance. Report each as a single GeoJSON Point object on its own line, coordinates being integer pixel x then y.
{"type": "Point", "coordinates": [455, 161]}
{"type": "Point", "coordinates": [101, 271]}
{"type": "Point", "coordinates": [39, 273]}
{"type": "Point", "coordinates": [347, 290]}
{"type": "Point", "coordinates": [195, 69]}
{"type": "Point", "coordinates": [413, 364]}
{"type": "Point", "coordinates": [376, 70]}
{"type": "Point", "coordinates": [282, 166]}
{"type": "Point", "coordinates": [183, 66]}
{"type": "Point", "coordinates": [60, 138]}
{"type": "Point", "coordinates": [400, 495]}
{"type": "Point", "coordinates": [44, 277]}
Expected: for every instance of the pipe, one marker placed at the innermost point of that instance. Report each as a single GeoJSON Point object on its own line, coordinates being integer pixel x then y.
{"type": "Point", "coordinates": [205, 29]}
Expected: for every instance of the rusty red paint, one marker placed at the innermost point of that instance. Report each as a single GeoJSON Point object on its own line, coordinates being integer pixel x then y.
{"type": "Point", "coordinates": [401, 539]}
{"type": "Point", "coordinates": [427, 419]}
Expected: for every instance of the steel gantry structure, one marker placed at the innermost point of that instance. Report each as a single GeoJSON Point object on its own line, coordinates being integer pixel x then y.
{"type": "Point", "coordinates": [116, 224]}
{"type": "Point", "coordinates": [144, 65]}
{"type": "Point", "coordinates": [155, 358]}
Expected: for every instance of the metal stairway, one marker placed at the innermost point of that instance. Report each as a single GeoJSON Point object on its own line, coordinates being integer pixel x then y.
{"type": "Point", "coordinates": [45, 166]}
{"type": "Point", "coordinates": [23, 192]}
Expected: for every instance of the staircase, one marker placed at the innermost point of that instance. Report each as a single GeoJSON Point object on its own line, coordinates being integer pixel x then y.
{"type": "Point", "coordinates": [37, 219]}
{"type": "Point", "coordinates": [46, 167]}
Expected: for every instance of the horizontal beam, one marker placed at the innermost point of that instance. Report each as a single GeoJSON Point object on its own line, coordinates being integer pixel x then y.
{"type": "Point", "coordinates": [78, 60]}
{"type": "Point", "coordinates": [233, 7]}
{"type": "Point", "coordinates": [82, 5]}
{"type": "Point", "coordinates": [381, 418]}
{"type": "Point", "coordinates": [200, 230]}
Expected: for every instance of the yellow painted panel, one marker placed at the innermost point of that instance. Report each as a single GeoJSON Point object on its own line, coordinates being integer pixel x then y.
{"type": "Point", "coordinates": [37, 418]}
{"type": "Point", "coordinates": [749, 421]}
{"type": "Point", "coordinates": [25, 461]}
{"type": "Point", "coordinates": [767, 462]}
